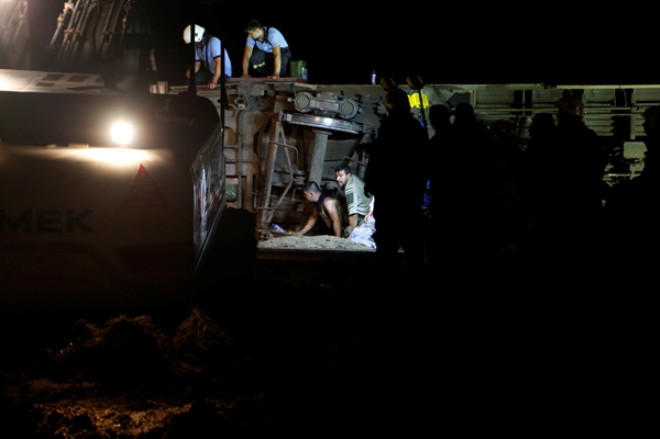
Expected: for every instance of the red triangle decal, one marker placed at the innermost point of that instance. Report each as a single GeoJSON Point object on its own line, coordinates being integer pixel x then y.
{"type": "Point", "coordinates": [143, 192]}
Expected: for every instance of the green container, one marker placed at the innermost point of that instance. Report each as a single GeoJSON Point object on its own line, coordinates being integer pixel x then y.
{"type": "Point", "coordinates": [231, 192]}
{"type": "Point", "coordinates": [298, 69]}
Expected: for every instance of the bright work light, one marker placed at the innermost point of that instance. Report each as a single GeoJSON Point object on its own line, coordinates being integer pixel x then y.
{"type": "Point", "coordinates": [122, 133]}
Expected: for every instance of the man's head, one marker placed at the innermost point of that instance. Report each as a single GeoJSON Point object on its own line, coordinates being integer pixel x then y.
{"type": "Point", "coordinates": [464, 113]}
{"type": "Point", "coordinates": [570, 107]}
{"type": "Point", "coordinates": [342, 174]}
{"type": "Point", "coordinates": [254, 29]}
{"type": "Point", "coordinates": [311, 191]}
{"type": "Point", "coordinates": [396, 101]}
{"type": "Point", "coordinates": [439, 116]}
{"type": "Point", "coordinates": [542, 123]}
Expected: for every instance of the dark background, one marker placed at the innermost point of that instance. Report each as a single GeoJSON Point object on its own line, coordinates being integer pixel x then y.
{"type": "Point", "coordinates": [459, 42]}
{"type": "Point", "coordinates": [524, 357]}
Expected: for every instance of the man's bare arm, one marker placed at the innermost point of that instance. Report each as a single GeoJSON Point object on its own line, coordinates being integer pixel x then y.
{"type": "Point", "coordinates": [333, 212]}
{"type": "Point", "coordinates": [310, 222]}
{"type": "Point", "coordinates": [277, 58]}
{"type": "Point", "coordinates": [247, 53]}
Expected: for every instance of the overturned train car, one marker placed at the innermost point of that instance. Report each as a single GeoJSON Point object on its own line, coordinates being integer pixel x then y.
{"type": "Point", "coordinates": [103, 194]}
{"type": "Point", "coordinates": [279, 134]}
{"type": "Point", "coordinates": [81, 213]}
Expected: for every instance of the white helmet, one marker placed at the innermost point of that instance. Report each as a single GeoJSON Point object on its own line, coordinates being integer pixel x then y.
{"type": "Point", "coordinates": [199, 34]}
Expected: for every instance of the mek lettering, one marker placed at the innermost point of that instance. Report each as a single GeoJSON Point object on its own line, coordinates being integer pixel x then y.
{"type": "Point", "coordinates": [46, 221]}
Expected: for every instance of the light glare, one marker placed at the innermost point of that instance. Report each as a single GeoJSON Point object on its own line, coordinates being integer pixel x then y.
{"type": "Point", "coordinates": [122, 133]}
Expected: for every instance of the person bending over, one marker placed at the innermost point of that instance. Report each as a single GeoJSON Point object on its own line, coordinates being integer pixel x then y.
{"type": "Point", "coordinates": [266, 54]}
{"type": "Point", "coordinates": [325, 206]}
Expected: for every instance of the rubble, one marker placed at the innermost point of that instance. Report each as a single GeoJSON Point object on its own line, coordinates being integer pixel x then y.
{"type": "Point", "coordinates": [321, 242]}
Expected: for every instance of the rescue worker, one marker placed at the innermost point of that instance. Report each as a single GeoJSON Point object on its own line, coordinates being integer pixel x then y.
{"type": "Point", "coordinates": [208, 57]}
{"type": "Point", "coordinates": [633, 208]}
{"type": "Point", "coordinates": [567, 228]}
{"type": "Point", "coordinates": [357, 203]}
{"type": "Point", "coordinates": [399, 210]}
{"type": "Point", "coordinates": [326, 207]}
{"type": "Point", "coordinates": [266, 53]}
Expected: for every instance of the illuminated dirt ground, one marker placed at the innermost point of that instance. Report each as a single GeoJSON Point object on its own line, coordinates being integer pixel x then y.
{"type": "Point", "coordinates": [317, 346]}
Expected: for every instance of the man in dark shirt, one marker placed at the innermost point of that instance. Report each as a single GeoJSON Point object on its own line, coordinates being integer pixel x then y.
{"type": "Point", "coordinates": [326, 207]}
{"type": "Point", "coordinates": [398, 212]}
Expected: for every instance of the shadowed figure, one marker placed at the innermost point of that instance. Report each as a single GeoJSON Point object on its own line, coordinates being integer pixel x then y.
{"type": "Point", "coordinates": [633, 208]}
{"type": "Point", "coordinates": [464, 192]}
{"type": "Point", "coordinates": [531, 186]}
{"type": "Point", "coordinates": [398, 206]}
{"type": "Point", "coordinates": [568, 191]}
{"type": "Point", "coordinates": [440, 121]}
{"type": "Point", "coordinates": [508, 198]}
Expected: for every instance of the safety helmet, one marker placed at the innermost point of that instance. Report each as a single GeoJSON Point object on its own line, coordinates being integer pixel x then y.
{"type": "Point", "coordinates": [199, 34]}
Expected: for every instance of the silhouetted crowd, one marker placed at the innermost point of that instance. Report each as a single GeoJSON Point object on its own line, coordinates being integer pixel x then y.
{"type": "Point", "coordinates": [478, 197]}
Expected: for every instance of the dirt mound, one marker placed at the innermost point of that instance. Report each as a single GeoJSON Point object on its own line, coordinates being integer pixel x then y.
{"type": "Point", "coordinates": [129, 378]}
{"type": "Point", "coordinates": [322, 242]}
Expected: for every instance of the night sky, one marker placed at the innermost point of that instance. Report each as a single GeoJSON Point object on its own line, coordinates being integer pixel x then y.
{"type": "Point", "coordinates": [343, 41]}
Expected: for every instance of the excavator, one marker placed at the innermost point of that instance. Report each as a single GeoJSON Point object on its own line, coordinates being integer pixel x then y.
{"type": "Point", "coordinates": [109, 193]}
{"type": "Point", "coordinates": [119, 39]}
{"type": "Point", "coordinates": [265, 139]}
